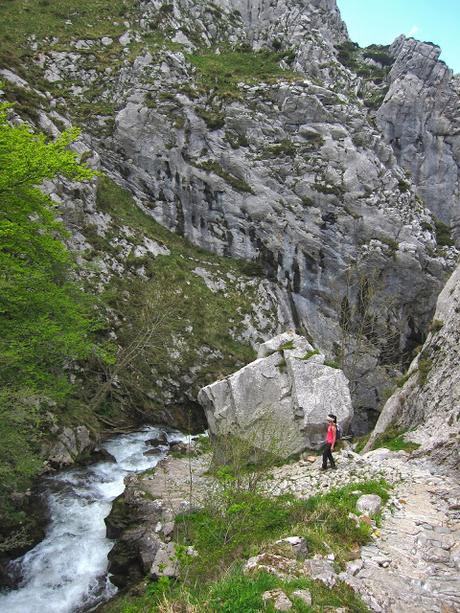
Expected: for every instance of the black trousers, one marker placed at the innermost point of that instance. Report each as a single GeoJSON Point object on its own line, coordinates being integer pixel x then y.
{"type": "Point", "coordinates": [327, 455]}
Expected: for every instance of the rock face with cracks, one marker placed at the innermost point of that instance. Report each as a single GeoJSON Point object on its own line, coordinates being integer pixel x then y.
{"type": "Point", "coordinates": [420, 118]}
{"type": "Point", "coordinates": [279, 402]}
{"type": "Point", "coordinates": [428, 403]}
{"type": "Point", "coordinates": [302, 167]}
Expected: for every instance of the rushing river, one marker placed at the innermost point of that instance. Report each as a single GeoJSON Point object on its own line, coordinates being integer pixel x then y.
{"type": "Point", "coordinates": [67, 571]}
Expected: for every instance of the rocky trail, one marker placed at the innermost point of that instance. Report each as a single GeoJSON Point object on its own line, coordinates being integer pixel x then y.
{"type": "Point", "coordinates": [413, 559]}
{"type": "Point", "coordinates": [414, 565]}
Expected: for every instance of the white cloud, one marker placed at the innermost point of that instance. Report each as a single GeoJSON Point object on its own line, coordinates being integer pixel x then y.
{"type": "Point", "coordinates": [413, 31]}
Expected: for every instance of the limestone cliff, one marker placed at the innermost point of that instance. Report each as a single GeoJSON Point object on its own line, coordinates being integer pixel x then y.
{"type": "Point", "coordinates": [255, 130]}
{"type": "Point", "coordinates": [420, 118]}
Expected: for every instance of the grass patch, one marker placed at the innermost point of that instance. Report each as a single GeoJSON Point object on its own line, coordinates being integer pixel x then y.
{"type": "Point", "coordinates": [65, 19]}
{"type": "Point", "coordinates": [361, 441]}
{"type": "Point", "coordinates": [424, 367]}
{"type": "Point", "coordinates": [400, 381]}
{"type": "Point", "coordinates": [213, 119]}
{"type": "Point", "coordinates": [223, 72]}
{"type": "Point", "coordinates": [391, 243]}
{"type": "Point", "coordinates": [326, 188]}
{"type": "Point", "coordinates": [332, 364]}
{"type": "Point", "coordinates": [288, 345]}
{"type": "Point", "coordinates": [403, 185]}
{"type": "Point", "coordinates": [443, 234]}
{"type": "Point", "coordinates": [310, 354]}
{"type": "Point", "coordinates": [353, 57]}
{"type": "Point", "coordinates": [285, 147]}
{"type": "Point", "coordinates": [327, 525]}
{"type": "Point", "coordinates": [394, 439]}
{"type": "Point", "coordinates": [375, 99]}
{"type": "Point", "coordinates": [237, 593]}
{"type": "Point", "coordinates": [380, 54]}
{"type": "Point", "coordinates": [232, 528]}
{"type": "Point", "coordinates": [289, 149]}
{"type": "Point", "coordinates": [236, 140]}
{"type": "Point", "coordinates": [436, 325]}
{"type": "Point", "coordinates": [235, 524]}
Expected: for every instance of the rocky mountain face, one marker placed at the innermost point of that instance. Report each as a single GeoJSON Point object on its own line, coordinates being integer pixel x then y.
{"type": "Point", "coordinates": [253, 130]}
{"type": "Point", "coordinates": [428, 403]}
{"type": "Point", "coordinates": [420, 118]}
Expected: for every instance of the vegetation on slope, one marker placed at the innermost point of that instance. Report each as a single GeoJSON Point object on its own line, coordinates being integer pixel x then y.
{"type": "Point", "coordinates": [224, 71]}
{"type": "Point", "coordinates": [237, 522]}
{"type": "Point", "coordinates": [67, 20]}
{"type": "Point", "coordinates": [195, 327]}
{"type": "Point", "coordinates": [46, 321]}
{"type": "Point", "coordinates": [392, 438]}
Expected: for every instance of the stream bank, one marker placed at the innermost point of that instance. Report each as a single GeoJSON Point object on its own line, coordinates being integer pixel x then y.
{"type": "Point", "coordinates": [67, 570]}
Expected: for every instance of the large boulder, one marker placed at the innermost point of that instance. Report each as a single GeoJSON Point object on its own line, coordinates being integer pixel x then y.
{"type": "Point", "coordinates": [279, 402]}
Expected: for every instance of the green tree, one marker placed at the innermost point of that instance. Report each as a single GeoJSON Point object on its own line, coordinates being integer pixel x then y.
{"type": "Point", "coordinates": [44, 316]}
{"type": "Point", "coordinates": [46, 320]}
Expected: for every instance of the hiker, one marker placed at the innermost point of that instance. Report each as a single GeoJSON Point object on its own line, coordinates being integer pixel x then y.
{"type": "Point", "coordinates": [331, 437]}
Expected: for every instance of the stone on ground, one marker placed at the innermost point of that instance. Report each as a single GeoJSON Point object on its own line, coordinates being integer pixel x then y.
{"type": "Point", "coordinates": [277, 565]}
{"type": "Point", "coordinates": [320, 569]}
{"type": "Point", "coordinates": [165, 563]}
{"type": "Point", "coordinates": [304, 596]}
{"type": "Point", "coordinates": [279, 599]}
{"type": "Point", "coordinates": [370, 504]}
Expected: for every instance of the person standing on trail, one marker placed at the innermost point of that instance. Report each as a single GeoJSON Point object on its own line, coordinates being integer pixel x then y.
{"type": "Point", "coordinates": [331, 437]}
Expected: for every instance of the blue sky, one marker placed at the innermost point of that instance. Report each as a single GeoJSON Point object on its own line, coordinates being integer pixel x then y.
{"type": "Point", "coordinates": [382, 21]}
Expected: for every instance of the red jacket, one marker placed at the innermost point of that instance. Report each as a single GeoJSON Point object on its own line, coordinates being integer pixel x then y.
{"type": "Point", "coordinates": [331, 434]}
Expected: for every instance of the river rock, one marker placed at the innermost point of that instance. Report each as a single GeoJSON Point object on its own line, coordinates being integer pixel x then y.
{"type": "Point", "coordinates": [165, 563]}
{"type": "Point", "coordinates": [161, 439]}
{"type": "Point", "coordinates": [97, 455]}
{"type": "Point", "coordinates": [278, 403]}
{"type": "Point", "coordinates": [71, 444]}
{"type": "Point", "coordinates": [132, 556]}
{"type": "Point", "coordinates": [154, 451]}
{"type": "Point", "coordinates": [142, 518]}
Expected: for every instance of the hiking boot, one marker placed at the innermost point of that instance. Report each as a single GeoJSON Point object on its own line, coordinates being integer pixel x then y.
{"type": "Point", "coordinates": [323, 468]}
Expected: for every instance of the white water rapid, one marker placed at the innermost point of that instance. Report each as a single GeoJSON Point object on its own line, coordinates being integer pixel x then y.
{"type": "Point", "coordinates": [67, 571]}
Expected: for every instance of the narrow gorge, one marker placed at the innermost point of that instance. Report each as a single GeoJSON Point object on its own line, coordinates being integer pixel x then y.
{"type": "Point", "coordinates": [225, 215]}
